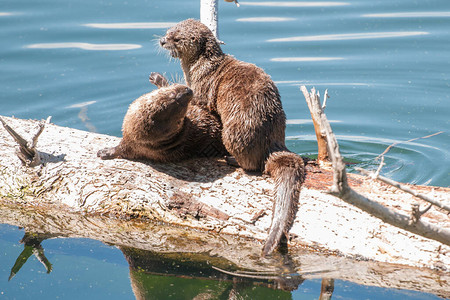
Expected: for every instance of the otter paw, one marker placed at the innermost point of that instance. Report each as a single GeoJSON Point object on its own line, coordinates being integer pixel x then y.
{"type": "Point", "coordinates": [107, 153]}
{"type": "Point", "coordinates": [231, 161]}
{"type": "Point", "coordinates": [158, 79]}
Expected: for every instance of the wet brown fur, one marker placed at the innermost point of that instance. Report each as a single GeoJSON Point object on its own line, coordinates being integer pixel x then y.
{"type": "Point", "coordinates": [249, 106]}
{"type": "Point", "coordinates": [167, 126]}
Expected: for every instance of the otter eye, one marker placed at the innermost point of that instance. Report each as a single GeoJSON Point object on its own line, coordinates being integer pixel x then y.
{"type": "Point", "coordinates": [176, 40]}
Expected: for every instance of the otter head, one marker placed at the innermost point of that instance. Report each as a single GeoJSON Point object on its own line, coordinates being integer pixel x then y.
{"type": "Point", "coordinates": [189, 40]}
{"type": "Point", "coordinates": [168, 107]}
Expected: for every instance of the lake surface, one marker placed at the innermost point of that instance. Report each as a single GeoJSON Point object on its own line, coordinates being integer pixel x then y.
{"type": "Point", "coordinates": [386, 65]}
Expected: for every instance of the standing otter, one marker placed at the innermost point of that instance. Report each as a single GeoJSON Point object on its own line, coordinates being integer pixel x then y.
{"type": "Point", "coordinates": [249, 106]}
{"type": "Point", "coordinates": [165, 126]}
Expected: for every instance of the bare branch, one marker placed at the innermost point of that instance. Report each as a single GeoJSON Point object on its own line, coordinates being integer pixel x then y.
{"type": "Point", "coordinates": [411, 140]}
{"type": "Point", "coordinates": [406, 189]}
{"type": "Point", "coordinates": [377, 173]}
{"type": "Point", "coordinates": [342, 190]}
{"type": "Point", "coordinates": [325, 97]}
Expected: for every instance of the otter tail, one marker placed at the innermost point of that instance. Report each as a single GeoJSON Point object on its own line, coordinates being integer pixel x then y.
{"type": "Point", "coordinates": [287, 169]}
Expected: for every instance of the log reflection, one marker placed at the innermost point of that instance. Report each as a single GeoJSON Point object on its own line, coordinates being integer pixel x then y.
{"type": "Point", "coordinates": [199, 276]}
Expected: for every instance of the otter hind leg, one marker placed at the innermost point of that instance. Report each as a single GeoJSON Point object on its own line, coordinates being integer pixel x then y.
{"type": "Point", "coordinates": [109, 153]}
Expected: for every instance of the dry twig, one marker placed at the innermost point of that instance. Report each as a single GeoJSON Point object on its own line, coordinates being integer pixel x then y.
{"type": "Point", "coordinates": [411, 140]}
{"type": "Point", "coordinates": [405, 188]}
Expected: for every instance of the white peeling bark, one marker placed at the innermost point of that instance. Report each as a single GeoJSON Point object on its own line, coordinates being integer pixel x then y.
{"type": "Point", "coordinates": [208, 194]}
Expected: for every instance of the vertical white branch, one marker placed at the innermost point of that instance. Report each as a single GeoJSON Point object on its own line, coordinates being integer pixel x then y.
{"type": "Point", "coordinates": [209, 15]}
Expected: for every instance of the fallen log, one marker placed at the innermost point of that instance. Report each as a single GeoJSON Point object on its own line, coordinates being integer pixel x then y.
{"type": "Point", "coordinates": [208, 194]}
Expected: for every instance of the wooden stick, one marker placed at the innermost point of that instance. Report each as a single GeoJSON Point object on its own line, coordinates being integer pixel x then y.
{"type": "Point", "coordinates": [316, 110]}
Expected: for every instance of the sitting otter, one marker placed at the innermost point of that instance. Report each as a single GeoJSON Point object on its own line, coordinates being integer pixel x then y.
{"type": "Point", "coordinates": [249, 107]}
{"type": "Point", "coordinates": [167, 126]}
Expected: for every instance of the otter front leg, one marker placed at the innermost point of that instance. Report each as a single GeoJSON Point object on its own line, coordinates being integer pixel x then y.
{"type": "Point", "coordinates": [109, 153]}
{"type": "Point", "coordinates": [158, 80]}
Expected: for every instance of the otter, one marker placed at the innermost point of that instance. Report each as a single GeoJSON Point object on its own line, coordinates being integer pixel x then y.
{"type": "Point", "coordinates": [252, 117]}
{"type": "Point", "coordinates": [167, 125]}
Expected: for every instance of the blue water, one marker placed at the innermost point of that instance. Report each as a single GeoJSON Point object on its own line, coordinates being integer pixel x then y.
{"type": "Point", "coordinates": [386, 65]}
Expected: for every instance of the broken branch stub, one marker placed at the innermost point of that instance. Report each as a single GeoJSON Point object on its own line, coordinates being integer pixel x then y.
{"type": "Point", "coordinates": [27, 152]}
{"type": "Point", "coordinates": [316, 109]}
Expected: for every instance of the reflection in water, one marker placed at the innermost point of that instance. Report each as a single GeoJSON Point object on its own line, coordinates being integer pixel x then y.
{"type": "Point", "coordinates": [32, 245]}
{"type": "Point", "coordinates": [193, 276]}
{"type": "Point", "coordinates": [139, 25]}
{"type": "Point", "coordinates": [295, 4]}
{"type": "Point", "coordinates": [84, 46]}
{"type": "Point", "coordinates": [349, 36]}
{"type": "Point", "coordinates": [417, 14]}
{"type": "Point", "coordinates": [83, 114]}
{"type": "Point", "coordinates": [265, 19]}
{"type": "Point", "coordinates": [326, 289]}
{"type": "Point", "coordinates": [157, 275]}
{"type": "Point", "coordinates": [3, 14]}
{"type": "Point", "coordinates": [293, 59]}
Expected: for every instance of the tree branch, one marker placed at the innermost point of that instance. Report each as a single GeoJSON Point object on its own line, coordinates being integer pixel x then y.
{"type": "Point", "coordinates": [342, 190]}
{"type": "Point", "coordinates": [405, 189]}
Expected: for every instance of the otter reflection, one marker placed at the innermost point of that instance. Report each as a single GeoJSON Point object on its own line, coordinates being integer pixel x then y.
{"type": "Point", "coordinates": [157, 275]}
{"type": "Point", "coordinates": [197, 276]}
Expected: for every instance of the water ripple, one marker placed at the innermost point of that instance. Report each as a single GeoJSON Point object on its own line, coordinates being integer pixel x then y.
{"type": "Point", "coordinates": [309, 83]}
{"type": "Point", "coordinates": [265, 19]}
{"type": "Point", "coordinates": [139, 25]}
{"type": "Point", "coordinates": [349, 36]}
{"type": "Point", "coordinates": [82, 104]}
{"type": "Point", "coordinates": [306, 121]}
{"type": "Point", "coordinates": [414, 162]}
{"type": "Point", "coordinates": [85, 46]}
{"type": "Point", "coordinates": [293, 59]}
{"type": "Point", "coordinates": [428, 14]}
{"type": "Point", "coordinates": [295, 4]}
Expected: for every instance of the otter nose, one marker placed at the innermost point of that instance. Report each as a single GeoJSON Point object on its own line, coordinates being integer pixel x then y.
{"type": "Point", "coordinates": [162, 41]}
{"type": "Point", "coordinates": [188, 91]}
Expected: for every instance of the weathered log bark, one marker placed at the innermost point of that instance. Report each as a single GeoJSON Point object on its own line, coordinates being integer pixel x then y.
{"type": "Point", "coordinates": [210, 195]}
